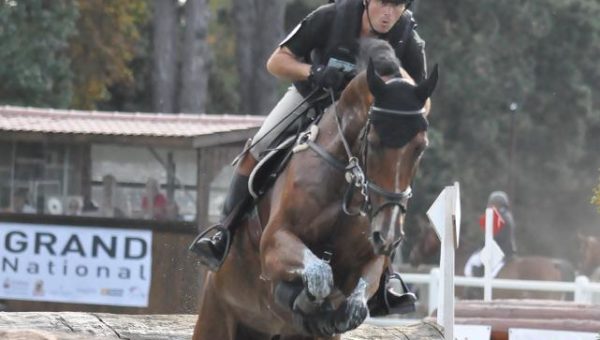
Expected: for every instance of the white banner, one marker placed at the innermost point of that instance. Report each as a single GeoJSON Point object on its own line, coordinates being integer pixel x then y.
{"type": "Point", "coordinates": [538, 334]}
{"type": "Point", "coordinates": [88, 265]}
{"type": "Point", "coordinates": [472, 332]}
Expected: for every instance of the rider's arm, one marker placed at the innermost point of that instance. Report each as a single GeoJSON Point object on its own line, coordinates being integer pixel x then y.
{"type": "Point", "coordinates": [291, 59]}
{"type": "Point", "coordinates": [285, 65]}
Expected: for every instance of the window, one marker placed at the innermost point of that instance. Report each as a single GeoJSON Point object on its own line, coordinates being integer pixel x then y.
{"type": "Point", "coordinates": [111, 181]}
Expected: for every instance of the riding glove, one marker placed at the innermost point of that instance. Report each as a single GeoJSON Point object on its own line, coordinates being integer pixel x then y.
{"type": "Point", "coordinates": [327, 77]}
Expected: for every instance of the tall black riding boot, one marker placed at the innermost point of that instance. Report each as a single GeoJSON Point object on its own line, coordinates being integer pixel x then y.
{"type": "Point", "coordinates": [213, 244]}
{"type": "Point", "coordinates": [212, 249]}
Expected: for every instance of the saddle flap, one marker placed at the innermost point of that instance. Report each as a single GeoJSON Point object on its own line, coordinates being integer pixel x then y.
{"type": "Point", "coordinates": [267, 169]}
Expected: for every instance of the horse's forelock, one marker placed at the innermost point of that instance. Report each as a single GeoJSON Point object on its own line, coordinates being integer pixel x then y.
{"type": "Point", "coordinates": [381, 53]}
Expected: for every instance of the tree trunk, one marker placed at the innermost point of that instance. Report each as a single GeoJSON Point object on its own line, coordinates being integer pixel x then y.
{"type": "Point", "coordinates": [258, 30]}
{"type": "Point", "coordinates": [196, 58]}
{"type": "Point", "coordinates": [165, 55]}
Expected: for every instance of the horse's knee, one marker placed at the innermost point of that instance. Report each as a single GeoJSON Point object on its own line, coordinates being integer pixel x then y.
{"type": "Point", "coordinates": [318, 278]}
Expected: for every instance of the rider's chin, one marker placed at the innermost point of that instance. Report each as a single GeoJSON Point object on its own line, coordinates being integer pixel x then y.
{"type": "Point", "coordinates": [384, 27]}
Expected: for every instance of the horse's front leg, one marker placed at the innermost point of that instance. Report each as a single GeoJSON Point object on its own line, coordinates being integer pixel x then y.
{"type": "Point", "coordinates": [285, 258]}
{"type": "Point", "coordinates": [354, 310]}
{"type": "Point", "coordinates": [214, 321]}
{"type": "Point", "coordinates": [301, 281]}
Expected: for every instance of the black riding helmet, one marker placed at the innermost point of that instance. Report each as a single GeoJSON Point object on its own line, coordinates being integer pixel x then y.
{"type": "Point", "coordinates": [396, 2]}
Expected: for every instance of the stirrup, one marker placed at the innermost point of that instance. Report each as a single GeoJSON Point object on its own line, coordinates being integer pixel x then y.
{"type": "Point", "coordinates": [214, 263]}
{"type": "Point", "coordinates": [399, 303]}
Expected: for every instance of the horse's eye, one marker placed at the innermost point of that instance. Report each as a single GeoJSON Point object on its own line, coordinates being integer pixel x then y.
{"type": "Point", "coordinates": [420, 149]}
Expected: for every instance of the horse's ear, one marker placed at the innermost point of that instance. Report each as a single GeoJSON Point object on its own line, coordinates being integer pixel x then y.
{"type": "Point", "coordinates": [426, 87]}
{"type": "Point", "coordinates": [376, 84]}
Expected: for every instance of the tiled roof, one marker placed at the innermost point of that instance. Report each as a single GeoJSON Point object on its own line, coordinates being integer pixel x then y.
{"type": "Point", "coordinates": [22, 119]}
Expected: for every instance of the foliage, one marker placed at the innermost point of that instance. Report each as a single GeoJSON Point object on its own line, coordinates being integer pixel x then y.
{"type": "Point", "coordinates": [222, 96]}
{"type": "Point", "coordinates": [538, 55]}
{"type": "Point", "coordinates": [66, 53]}
{"type": "Point", "coordinates": [596, 196]}
{"type": "Point", "coordinates": [107, 40]}
{"type": "Point", "coordinates": [34, 63]}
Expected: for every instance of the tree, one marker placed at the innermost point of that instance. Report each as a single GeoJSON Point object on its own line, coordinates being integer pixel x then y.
{"type": "Point", "coordinates": [195, 58]}
{"type": "Point", "coordinates": [108, 33]}
{"type": "Point", "coordinates": [34, 59]}
{"type": "Point", "coordinates": [258, 30]}
{"type": "Point", "coordinates": [165, 24]}
{"type": "Point", "coordinates": [487, 64]}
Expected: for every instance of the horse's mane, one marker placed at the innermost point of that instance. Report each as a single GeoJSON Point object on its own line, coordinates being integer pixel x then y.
{"type": "Point", "coordinates": [381, 53]}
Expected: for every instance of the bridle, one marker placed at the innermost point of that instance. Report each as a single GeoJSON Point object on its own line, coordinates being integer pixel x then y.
{"type": "Point", "coordinates": [355, 171]}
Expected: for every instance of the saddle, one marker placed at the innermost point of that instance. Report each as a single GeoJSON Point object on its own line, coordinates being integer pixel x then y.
{"type": "Point", "coordinates": [269, 167]}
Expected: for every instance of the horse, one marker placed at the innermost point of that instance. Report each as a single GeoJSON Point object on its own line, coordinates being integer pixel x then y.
{"type": "Point", "coordinates": [329, 223]}
{"type": "Point", "coordinates": [589, 256]}
{"type": "Point", "coordinates": [517, 268]}
{"type": "Point", "coordinates": [589, 260]}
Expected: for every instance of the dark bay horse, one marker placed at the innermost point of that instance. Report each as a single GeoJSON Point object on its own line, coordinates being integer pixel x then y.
{"type": "Point", "coordinates": [517, 268]}
{"type": "Point", "coordinates": [370, 141]}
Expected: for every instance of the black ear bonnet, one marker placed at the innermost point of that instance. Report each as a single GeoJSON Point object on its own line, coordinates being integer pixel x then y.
{"type": "Point", "coordinates": [397, 114]}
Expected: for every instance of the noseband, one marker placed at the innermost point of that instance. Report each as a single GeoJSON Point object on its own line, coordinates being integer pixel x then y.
{"type": "Point", "coordinates": [356, 177]}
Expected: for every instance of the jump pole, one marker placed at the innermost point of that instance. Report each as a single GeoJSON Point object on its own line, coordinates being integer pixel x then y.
{"type": "Point", "coordinates": [489, 238]}
{"type": "Point", "coordinates": [444, 214]}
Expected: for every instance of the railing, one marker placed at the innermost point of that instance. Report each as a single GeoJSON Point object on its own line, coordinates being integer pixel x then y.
{"type": "Point", "coordinates": [582, 288]}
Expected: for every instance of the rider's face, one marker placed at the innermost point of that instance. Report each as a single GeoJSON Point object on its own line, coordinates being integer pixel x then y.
{"type": "Point", "coordinates": [384, 15]}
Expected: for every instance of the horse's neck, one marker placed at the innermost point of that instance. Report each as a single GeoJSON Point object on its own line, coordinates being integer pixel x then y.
{"type": "Point", "coordinates": [352, 109]}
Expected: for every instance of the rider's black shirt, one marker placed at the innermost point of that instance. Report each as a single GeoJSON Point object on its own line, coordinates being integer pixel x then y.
{"type": "Point", "coordinates": [310, 39]}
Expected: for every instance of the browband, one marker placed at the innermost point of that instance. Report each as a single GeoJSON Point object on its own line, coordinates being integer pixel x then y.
{"type": "Point", "coordinates": [399, 112]}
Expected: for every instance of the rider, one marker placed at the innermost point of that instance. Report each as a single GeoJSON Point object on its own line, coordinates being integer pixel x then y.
{"type": "Point", "coordinates": [318, 54]}
{"type": "Point", "coordinates": [505, 237]}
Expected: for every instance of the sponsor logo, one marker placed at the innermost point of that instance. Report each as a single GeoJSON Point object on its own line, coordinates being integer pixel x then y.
{"type": "Point", "coordinates": [111, 292]}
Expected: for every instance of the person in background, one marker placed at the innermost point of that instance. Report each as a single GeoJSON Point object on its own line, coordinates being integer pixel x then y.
{"type": "Point", "coordinates": [505, 237]}
{"type": "Point", "coordinates": [154, 203]}
{"type": "Point", "coordinates": [74, 206]}
{"type": "Point", "coordinates": [20, 202]}
{"type": "Point", "coordinates": [108, 203]}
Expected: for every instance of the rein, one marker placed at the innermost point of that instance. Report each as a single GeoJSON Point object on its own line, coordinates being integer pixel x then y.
{"type": "Point", "coordinates": [356, 177]}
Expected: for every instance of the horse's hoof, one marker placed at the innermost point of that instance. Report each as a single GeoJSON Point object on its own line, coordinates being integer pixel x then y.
{"type": "Point", "coordinates": [318, 279]}
{"type": "Point", "coordinates": [320, 324]}
{"type": "Point", "coordinates": [307, 305]}
{"type": "Point", "coordinates": [351, 314]}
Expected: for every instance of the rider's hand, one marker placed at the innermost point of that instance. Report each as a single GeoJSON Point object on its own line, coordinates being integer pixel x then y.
{"type": "Point", "coordinates": [327, 77]}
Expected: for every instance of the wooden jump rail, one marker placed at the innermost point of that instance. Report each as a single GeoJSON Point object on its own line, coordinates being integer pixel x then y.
{"type": "Point", "coordinates": [103, 326]}
{"type": "Point", "coordinates": [502, 315]}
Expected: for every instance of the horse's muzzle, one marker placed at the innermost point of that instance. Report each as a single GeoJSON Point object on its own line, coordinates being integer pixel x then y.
{"type": "Point", "coordinates": [381, 246]}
